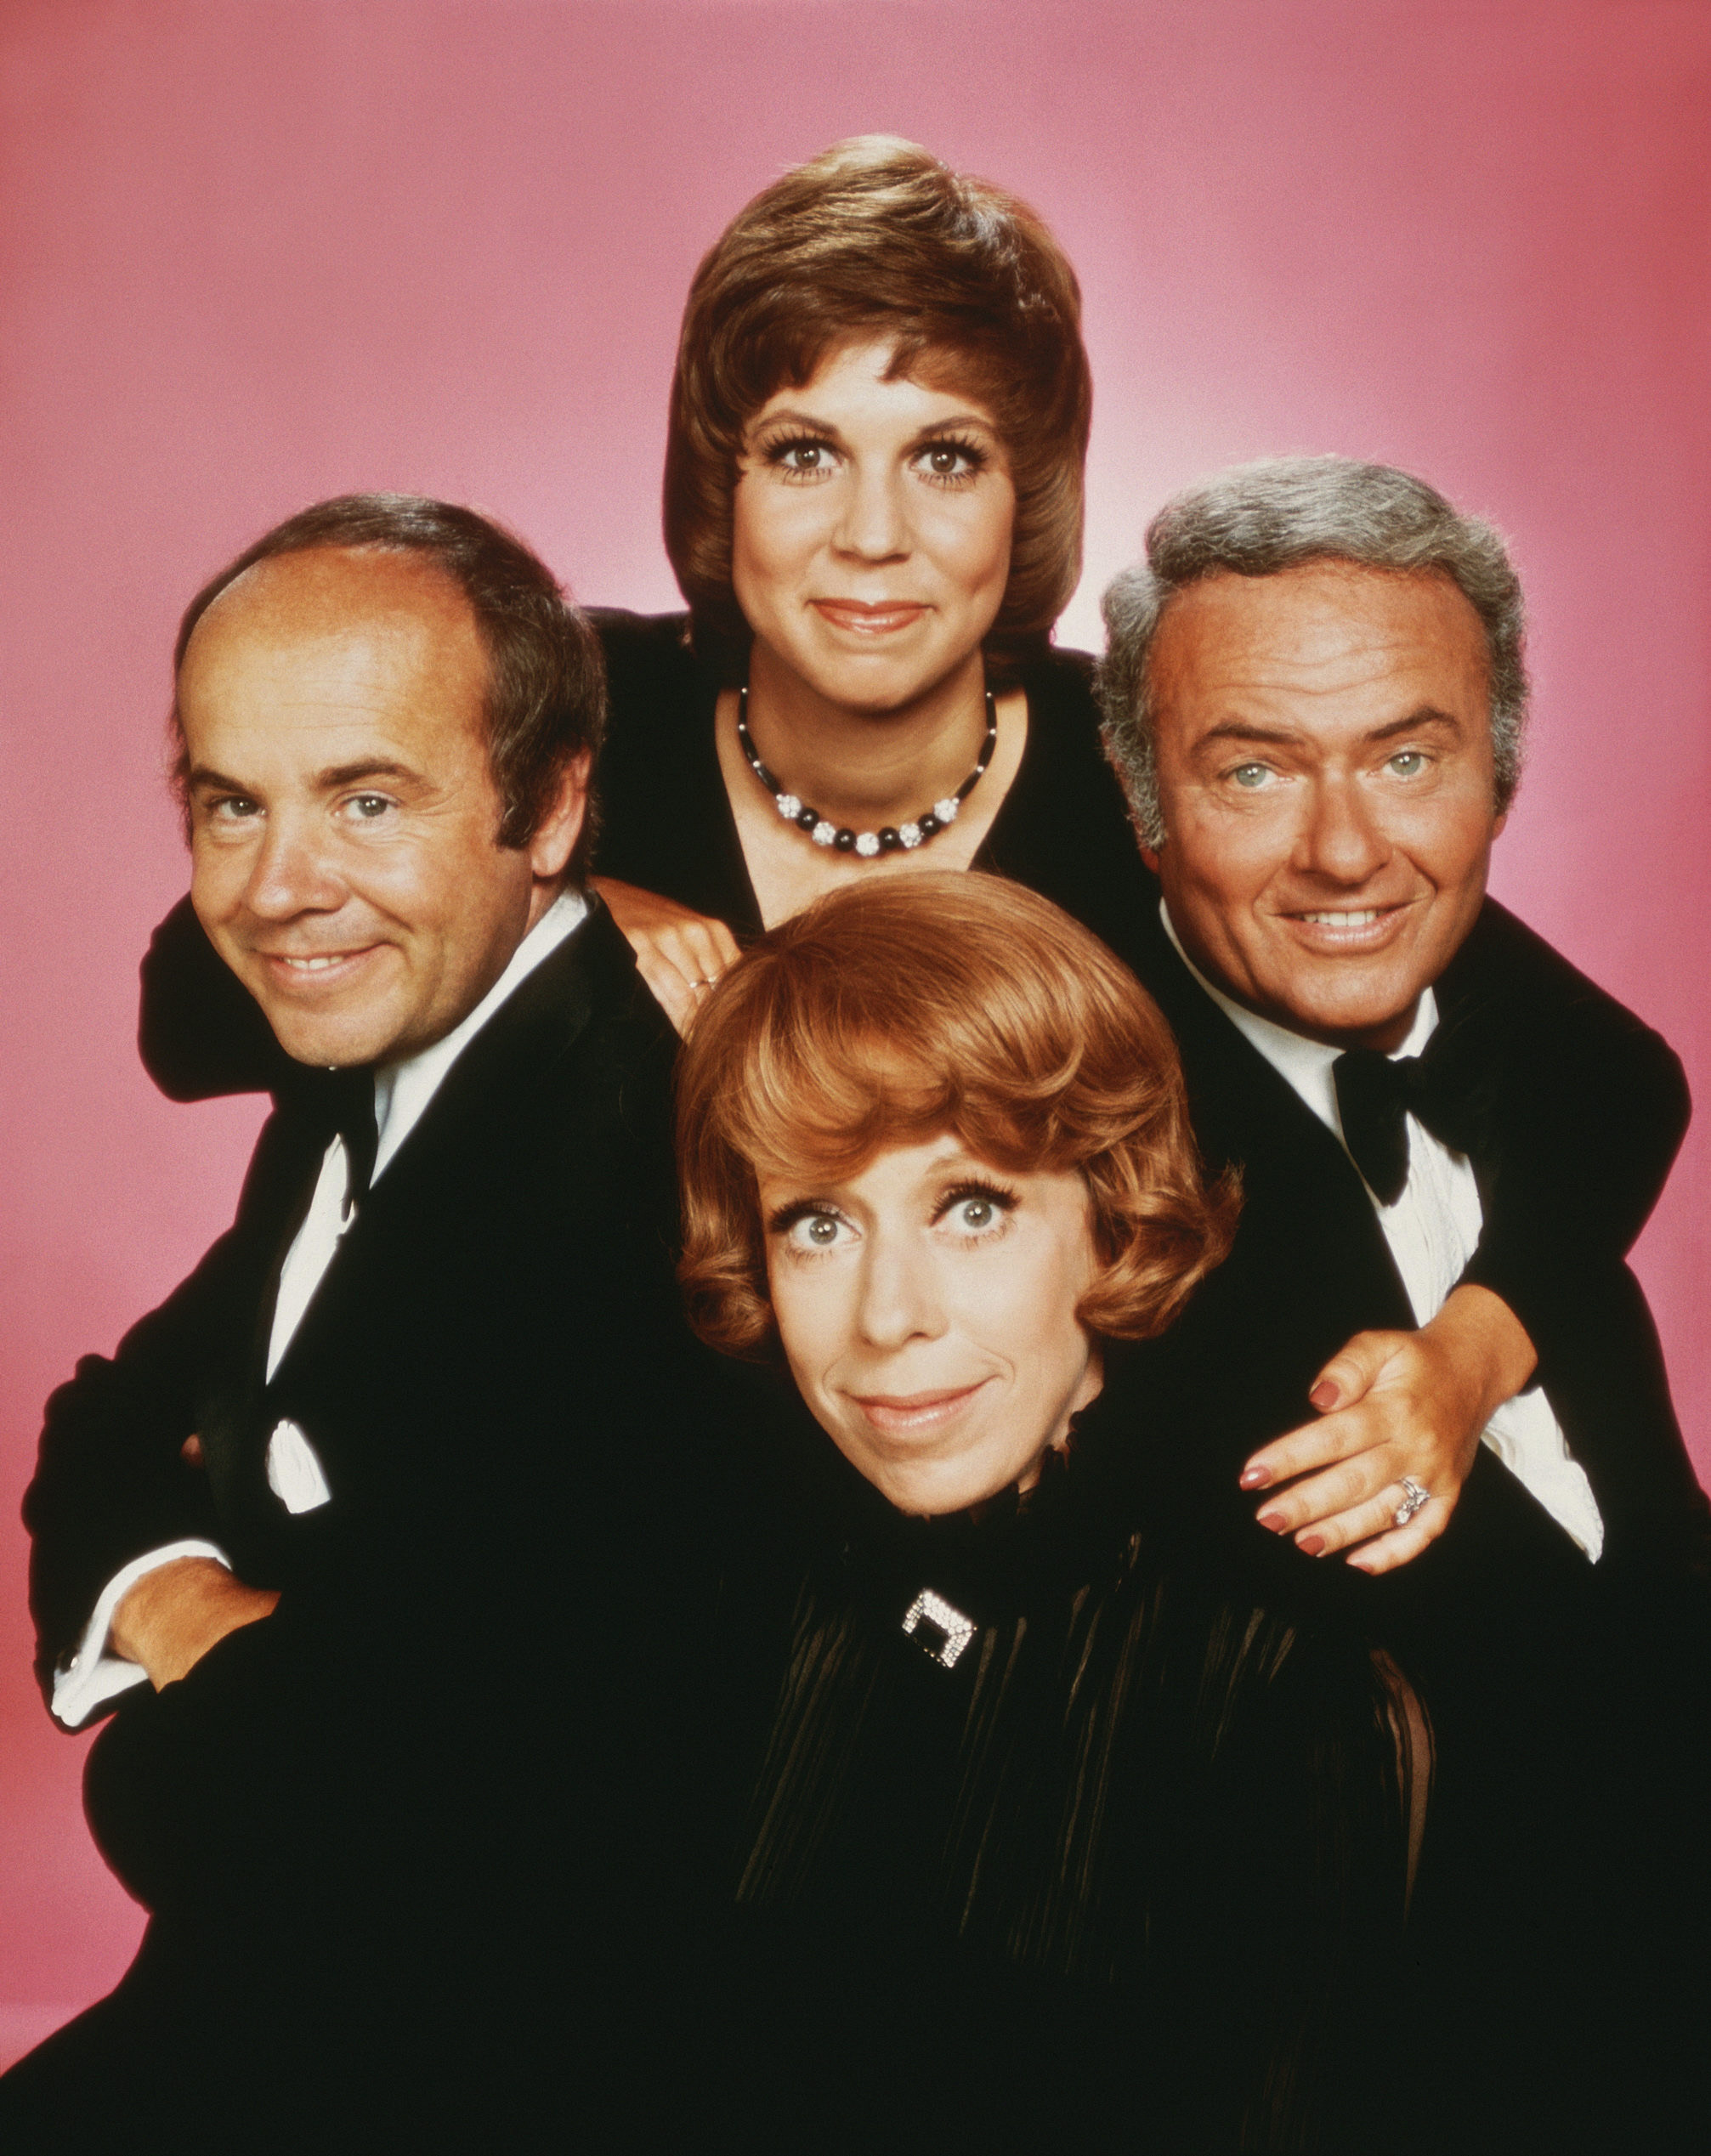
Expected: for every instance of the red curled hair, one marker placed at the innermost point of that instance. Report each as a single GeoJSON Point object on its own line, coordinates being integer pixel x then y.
{"type": "Point", "coordinates": [894, 1010]}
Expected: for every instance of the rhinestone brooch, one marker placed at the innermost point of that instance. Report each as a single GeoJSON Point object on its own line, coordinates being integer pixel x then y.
{"type": "Point", "coordinates": [938, 1628]}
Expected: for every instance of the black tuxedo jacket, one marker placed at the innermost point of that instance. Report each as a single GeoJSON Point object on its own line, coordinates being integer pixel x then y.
{"type": "Point", "coordinates": [439, 1798]}
{"type": "Point", "coordinates": [1580, 1109]}
{"type": "Point", "coordinates": [1565, 1819]}
{"type": "Point", "coordinates": [505, 1293]}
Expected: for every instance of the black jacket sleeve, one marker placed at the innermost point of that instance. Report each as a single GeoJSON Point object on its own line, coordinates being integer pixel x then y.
{"type": "Point", "coordinates": [1585, 1109]}
{"type": "Point", "coordinates": [110, 1479]}
{"type": "Point", "coordinates": [200, 1033]}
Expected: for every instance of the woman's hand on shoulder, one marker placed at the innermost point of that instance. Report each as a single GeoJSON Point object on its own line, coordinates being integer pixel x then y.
{"type": "Point", "coordinates": [1394, 1405]}
{"type": "Point", "coordinates": [679, 954]}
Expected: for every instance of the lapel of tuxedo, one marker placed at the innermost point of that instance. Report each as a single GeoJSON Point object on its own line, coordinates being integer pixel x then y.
{"type": "Point", "coordinates": [401, 1223]}
{"type": "Point", "coordinates": [1481, 1006]}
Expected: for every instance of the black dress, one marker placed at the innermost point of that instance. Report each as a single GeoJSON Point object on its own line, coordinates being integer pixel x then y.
{"type": "Point", "coordinates": [664, 825]}
{"type": "Point", "coordinates": [1128, 1872]}
{"type": "Point", "coordinates": [667, 824]}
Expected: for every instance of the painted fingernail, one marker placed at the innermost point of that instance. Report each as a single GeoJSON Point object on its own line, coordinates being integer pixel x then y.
{"type": "Point", "coordinates": [1323, 1396]}
{"type": "Point", "coordinates": [1274, 1520]}
{"type": "Point", "coordinates": [1255, 1478]}
{"type": "Point", "coordinates": [1310, 1545]}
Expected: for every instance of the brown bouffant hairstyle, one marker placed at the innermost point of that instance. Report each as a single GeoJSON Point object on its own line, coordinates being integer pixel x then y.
{"type": "Point", "coordinates": [875, 239]}
{"type": "Point", "coordinates": [890, 1012]}
{"type": "Point", "coordinates": [546, 698]}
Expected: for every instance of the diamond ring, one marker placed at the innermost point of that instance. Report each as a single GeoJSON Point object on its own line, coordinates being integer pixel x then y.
{"type": "Point", "coordinates": [1414, 1495]}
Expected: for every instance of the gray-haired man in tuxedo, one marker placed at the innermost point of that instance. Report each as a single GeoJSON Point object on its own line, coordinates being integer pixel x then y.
{"type": "Point", "coordinates": [1448, 1139]}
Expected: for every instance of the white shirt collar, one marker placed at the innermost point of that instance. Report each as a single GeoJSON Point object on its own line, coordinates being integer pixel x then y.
{"type": "Point", "coordinates": [402, 1090]}
{"type": "Point", "coordinates": [1307, 1064]}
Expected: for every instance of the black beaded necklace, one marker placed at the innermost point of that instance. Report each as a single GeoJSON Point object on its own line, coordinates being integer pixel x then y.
{"type": "Point", "coordinates": [890, 838]}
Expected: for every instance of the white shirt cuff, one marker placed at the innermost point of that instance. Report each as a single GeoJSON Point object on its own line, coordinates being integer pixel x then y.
{"type": "Point", "coordinates": [1528, 1438]}
{"type": "Point", "coordinates": [93, 1675]}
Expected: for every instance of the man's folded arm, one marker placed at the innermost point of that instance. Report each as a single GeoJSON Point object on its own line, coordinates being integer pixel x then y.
{"type": "Point", "coordinates": [1593, 1105]}
{"type": "Point", "coordinates": [1596, 1109]}
{"type": "Point", "coordinates": [95, 1673]}
{"type": "Point", "coordinates": [114, 1491]}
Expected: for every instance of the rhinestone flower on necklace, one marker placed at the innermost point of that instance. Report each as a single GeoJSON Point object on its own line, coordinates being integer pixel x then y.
{"type": "Point", "coordinates": [890, 838]}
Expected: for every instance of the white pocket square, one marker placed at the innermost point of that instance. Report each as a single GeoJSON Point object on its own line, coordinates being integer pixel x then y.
{"type": "Point", "coordinates": [295, 1474]}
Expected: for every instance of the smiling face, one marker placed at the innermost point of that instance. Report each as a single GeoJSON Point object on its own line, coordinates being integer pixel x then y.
{"type": "Point", "coordinates": [344, 818]}
{"type": "Point", "coordinates": [871, 529]}
{"type": "Point", "coordinates": [926, 1306]}
{"type": "Point", "coordinates": [1325, 773]}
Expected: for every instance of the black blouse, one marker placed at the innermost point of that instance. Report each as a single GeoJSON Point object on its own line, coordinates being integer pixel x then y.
{"type": "Point", "coordinates": [1122, 1864]}
{"type": "Point", "coordinates": [666, 822]}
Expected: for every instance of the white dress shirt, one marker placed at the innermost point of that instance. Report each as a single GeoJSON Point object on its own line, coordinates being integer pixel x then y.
{"type": "Point", "coordinates": [402, 1092]}
{"type": "Point", "coordinates": [1433, 1230]}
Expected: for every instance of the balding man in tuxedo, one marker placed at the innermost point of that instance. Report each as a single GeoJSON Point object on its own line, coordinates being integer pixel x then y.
{"type": "Point", "coordinates": [375, 1535]}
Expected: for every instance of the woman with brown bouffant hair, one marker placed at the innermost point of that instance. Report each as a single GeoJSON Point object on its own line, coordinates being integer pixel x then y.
{"type": "Point", "coordinates": [1065, 1833]}
{"type": "Point", "coordinates": [876, 240]}
{"type": "Point", "coordinates": [873, 503]}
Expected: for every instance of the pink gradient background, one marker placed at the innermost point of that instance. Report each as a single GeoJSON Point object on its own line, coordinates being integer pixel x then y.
{"type": "Point", "coordinates": [257, 252]}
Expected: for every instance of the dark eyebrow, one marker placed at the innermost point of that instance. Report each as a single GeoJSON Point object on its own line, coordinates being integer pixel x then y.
{"type": "Point", "coordinates": [1427, 714]}
{"type": "Point", "coordinates": [1242, 731]}
{"type": "Point", "coordinates": [337, 775]}
{"type": "Point", "coordinates": [957, 419]}
{"type": "Point", "coordinates": [928, 433]}
{"type": "Point", "coordinates": [789, 418]}
{"type": "Point", "coordinates": [202, 779]}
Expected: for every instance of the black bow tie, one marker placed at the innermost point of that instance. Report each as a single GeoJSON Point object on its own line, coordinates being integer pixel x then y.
{"type": "Point", "coordinates": [1375, 1092]}
{"type": "Point", "coordinates": [351, 1095]}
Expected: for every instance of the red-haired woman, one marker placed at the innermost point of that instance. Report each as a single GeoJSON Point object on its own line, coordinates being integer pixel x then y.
{"type": "Point", "coordinates": [1068, 1832]}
